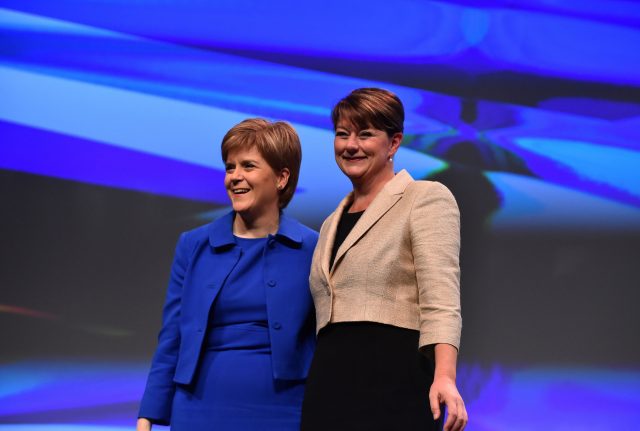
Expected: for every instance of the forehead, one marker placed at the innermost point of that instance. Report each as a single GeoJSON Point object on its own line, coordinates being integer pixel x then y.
{"type": "Point", "coordinates": [354, 116]}
{"type": "Point", "coordinates": [347, 124]}
{"type": "Point", "coordinates": [244, 153]}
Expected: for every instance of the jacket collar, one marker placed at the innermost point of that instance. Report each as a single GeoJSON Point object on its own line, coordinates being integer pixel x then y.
{"type": "Point", "coordinates": [386, 198]}
{"type": "Point", "coordinates": [221, 231]}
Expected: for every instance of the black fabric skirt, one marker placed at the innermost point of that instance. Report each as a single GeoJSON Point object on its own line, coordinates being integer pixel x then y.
{"type": "Point", "coordinates": [368, 376]}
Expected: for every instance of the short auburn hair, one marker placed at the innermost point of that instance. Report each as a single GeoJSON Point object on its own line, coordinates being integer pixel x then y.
{"type": "Point", "coordinates": [277, 142]}
{"type": "Point", "coordinates": [371, 107]}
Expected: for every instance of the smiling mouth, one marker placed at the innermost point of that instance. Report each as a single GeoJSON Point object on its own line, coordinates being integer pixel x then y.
{"type": "Point", "coordinates": [239, 191]}
{"type": "Point", "coordinates": [353, 159]}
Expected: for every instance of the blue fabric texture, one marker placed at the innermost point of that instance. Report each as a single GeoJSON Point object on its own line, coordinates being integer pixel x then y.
{"type": "Point", "coordinates": [268, 343]}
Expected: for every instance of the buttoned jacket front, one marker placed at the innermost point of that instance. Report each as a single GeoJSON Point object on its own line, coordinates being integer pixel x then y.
{"type": "Point", "coordinates": [398, 265]}
{"type": "Point", "coordinates": [203, 260]}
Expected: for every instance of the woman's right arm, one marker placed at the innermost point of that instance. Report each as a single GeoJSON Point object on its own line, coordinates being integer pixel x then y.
{"type": "Point", "coordinates": [158, 396]}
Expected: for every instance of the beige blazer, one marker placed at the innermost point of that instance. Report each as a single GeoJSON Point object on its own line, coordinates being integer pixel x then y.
{"type": "Point", "coordinates": [398, 265]}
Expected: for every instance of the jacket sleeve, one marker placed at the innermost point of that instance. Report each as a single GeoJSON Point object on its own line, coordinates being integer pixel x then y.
{"type": "Point", "coordinates": [158, 395]}
{"type": "Point", "coordinates": [435, 242]}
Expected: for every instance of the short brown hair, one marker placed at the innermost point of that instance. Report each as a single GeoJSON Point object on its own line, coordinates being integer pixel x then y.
{"type": "Point", "coordinates": [371, 107]}
{"type": "Point", "coordinates": [277, 142]}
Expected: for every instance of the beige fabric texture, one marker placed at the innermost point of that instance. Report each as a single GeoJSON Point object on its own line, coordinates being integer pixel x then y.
{"type": "Point", "coordinates": [399, 265]}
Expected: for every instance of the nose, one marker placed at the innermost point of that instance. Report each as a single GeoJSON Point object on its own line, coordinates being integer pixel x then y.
{"type": "Point", "coordinates": [236, 175]}
{"type": "Point", "coordinates": [352, 144]}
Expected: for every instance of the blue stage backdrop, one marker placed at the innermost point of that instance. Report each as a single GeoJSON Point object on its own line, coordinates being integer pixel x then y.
{"type": "Point", "coordinates": [111, 117]}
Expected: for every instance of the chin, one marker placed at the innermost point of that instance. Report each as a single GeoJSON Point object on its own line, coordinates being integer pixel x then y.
{"type": "Point", "coordinates": [354, 174]}
{"type": "Point", "coordinates": [353, 171]}
{"type": "Point", "coordinates": [240, 208]}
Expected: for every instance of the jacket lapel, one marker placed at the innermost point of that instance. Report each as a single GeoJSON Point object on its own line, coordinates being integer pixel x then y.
{"type": "Point", "coordinates": [219, 266]}
{"type": "Point", "coordinates": [386, 199]}
{"type": "Point", "coordinates": [330, 236]}
{"type": "Point", "coordinates": [216, 262]}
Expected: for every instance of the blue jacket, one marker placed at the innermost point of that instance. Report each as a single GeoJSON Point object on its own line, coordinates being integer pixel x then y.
{"type": "Point", "coordinates": [203, 259]}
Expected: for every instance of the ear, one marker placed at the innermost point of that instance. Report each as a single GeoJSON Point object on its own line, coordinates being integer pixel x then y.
{"type": "Point", "coordinates": [396, 140]}
{"type": "Point", "coordinates": [283, 178]}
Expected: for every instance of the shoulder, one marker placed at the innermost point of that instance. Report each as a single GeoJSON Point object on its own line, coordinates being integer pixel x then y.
{"type": "Point", "coordinates": [328, 219]}
{"type": "Point", "coordinates": [197, 234]}
{"type": "Point", "coordinates": [218, 230]}
{"type": "Point", "coordinates": [308, 235]}
{"type": "Point", "coordinates": [298, 232]}
{"type": "Point", "coordinates": [431, 199]}
{"type": "Point", "coordinates": [336, 212]}
{"type": "Point", "coordinates": [189, 241]}
{"type": "Point", "coordinates": [325, 225]}
{"type": "Point", "coordinates": [425, 192]}
{"type": "Point", "coordinates": [429, 188]}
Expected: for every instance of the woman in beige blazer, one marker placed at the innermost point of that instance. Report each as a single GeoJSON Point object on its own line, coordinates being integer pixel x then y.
{"type": "Point", "coordinates": [385, 283]}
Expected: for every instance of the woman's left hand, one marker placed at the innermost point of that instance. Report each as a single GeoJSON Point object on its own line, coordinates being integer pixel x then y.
{"type": "Point", "coordinates": [444, 391]}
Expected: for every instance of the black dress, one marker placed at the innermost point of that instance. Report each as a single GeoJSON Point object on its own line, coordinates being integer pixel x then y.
{"type": "Point", "coordinates": [367, 376]}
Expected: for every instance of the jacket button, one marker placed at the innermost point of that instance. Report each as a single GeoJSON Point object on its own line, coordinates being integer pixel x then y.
{"type": "Point", "coordinates": [272, 283]}
{"type": "Point", "coordinates": [199, 330]}
{"type": "Point", "coordinates": [276, 325]}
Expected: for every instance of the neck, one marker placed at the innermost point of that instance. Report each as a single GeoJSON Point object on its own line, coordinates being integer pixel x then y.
{"type": "Point", "coordinates": [364, 192]}
{"type": "Point", "coordinates": [256, 226]}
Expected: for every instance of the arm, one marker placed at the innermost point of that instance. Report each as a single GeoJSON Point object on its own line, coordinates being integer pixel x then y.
{"type": "Point", "coordinates": [435, 240]}
{"type": "Point", "coordinates": [435, 244]}
{"type": "Point", "coordinates": [158, 396]}
{"type": "Point", "coordinates": [444, 390]}
{"type": "Point", "coordinates": [143, 424]}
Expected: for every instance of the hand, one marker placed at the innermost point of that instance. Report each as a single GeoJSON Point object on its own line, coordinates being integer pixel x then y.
{"type": "Point", "coordinates": [143, 424]}
{"type": "Point", "coordinates": [444, 391]}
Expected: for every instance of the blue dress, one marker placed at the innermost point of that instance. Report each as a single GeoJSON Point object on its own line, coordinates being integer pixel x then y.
{"type": "Point", "coordinates": [238, 331]}
{"type": "Point", "coordinates": [234, 388]}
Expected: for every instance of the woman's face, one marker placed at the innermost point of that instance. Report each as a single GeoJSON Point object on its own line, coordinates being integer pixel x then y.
{"type": "Point", "coordinates": [363, 154]}
{"type": "Point", "coordinates": [251, 183]}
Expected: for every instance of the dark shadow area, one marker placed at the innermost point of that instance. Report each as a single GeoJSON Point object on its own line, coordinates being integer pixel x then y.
{"type": "Point", "coordinates": [86, 265]}
{"type": "Point", "coordinates": [524, 89]}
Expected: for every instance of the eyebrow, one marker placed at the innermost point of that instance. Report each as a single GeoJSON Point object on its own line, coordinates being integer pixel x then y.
{"type": "Point", "coordinates": [243, 161]}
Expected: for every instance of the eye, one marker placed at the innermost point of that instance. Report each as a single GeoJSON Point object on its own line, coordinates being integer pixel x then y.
{"type": "Point", "coordinates": [365, 134]}
{"type": "Point", "coordinates": [229, 167]}
{"type": "Point", "coordinates": [248, 165]}
{"type": "Point", "coordinates": [341, 134]}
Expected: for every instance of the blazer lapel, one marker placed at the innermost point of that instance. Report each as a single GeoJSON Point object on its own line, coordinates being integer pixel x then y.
{"type": "Point", "coordinates": [208, 272]}
{"type": "Point", "coordinates": [386, 199]}
{"type": "Point", "coordinates": [217, 261]}
{"type": "Point", "coordinates": [219, 265]}
{"type": "Point", "coordinates": [330, 236]}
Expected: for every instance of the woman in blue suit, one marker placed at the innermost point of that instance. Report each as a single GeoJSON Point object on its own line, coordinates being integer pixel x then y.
{"type": "Point", "coordinates": [238, 323]}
